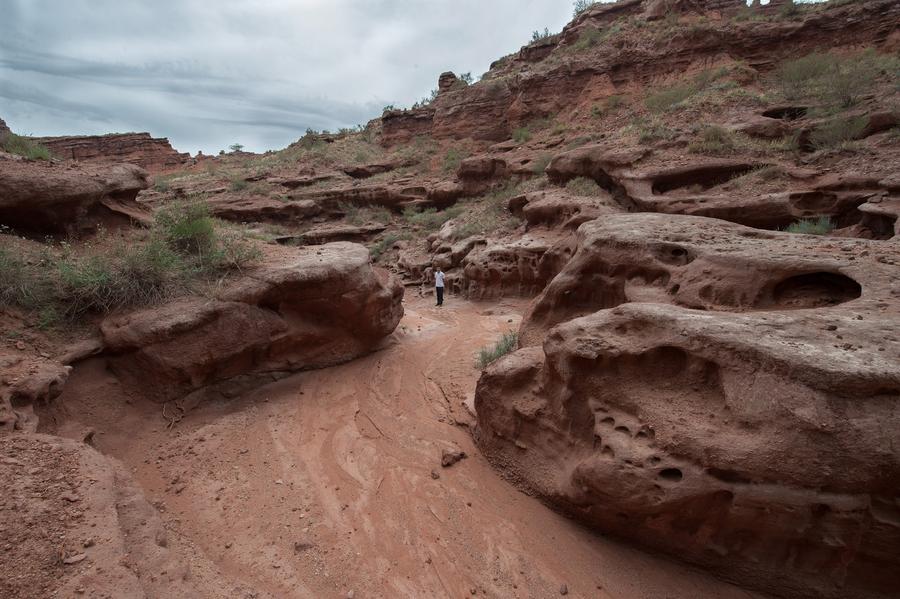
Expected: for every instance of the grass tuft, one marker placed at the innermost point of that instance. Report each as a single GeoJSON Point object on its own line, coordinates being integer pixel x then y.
{"type": "Point", "coordinates": [812, 226]}
{"type": "Point", "coordinates": [583, 186]}
{"type": "Point", "coordinates": [23, 146]}
{"type": "Point", "coordinates": [506, 344]}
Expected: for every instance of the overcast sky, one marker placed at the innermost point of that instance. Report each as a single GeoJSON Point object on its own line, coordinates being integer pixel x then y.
{"type": "Point", "coordinates": [209, 73]}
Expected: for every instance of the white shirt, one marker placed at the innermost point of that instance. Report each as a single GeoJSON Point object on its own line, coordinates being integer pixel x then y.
{"type": "Point", "coordinates": [438, 279]}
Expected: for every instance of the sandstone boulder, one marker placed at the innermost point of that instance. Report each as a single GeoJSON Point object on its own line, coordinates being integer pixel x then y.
{"type": "Point", "coordinates": [720, 393]}
{"type": "Point", "coordinates": [45, 197]}
{"type": "Point", "coordinates": [320, 306]}
{"type": "Point", "coordinates": [709, 265]}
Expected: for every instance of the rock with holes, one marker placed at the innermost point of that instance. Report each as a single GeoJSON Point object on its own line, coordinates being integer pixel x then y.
{"type": "Point", "coordinates": [708, 264]}
{"type": "Point", "coordinates": [518, 268]}
{"type": "Point", "coordinates": [727, 395]}
{"type": "Point", "coordinates": [307, 307]}
{"type": "Point", "coordinates": [559, 208]}
{"type": "Point", "coordinates": [27, 380]}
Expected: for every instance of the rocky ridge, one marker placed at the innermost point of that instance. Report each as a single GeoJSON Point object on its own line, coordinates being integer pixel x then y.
{"type": "Point", "coordinates": [152, 153]}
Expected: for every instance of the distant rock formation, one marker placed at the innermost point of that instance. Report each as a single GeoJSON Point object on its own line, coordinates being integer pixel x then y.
{"type": "Point", "coordinates": [151, 153]}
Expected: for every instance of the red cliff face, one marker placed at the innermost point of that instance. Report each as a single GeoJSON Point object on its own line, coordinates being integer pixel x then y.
{"type": "Point", "coordinates": [589, 60]}
{"type": "Point", "coordinates": [151, 153]}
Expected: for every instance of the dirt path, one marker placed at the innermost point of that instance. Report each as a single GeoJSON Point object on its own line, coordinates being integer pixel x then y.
{"type": "Point", "coordinates": [321, 485]}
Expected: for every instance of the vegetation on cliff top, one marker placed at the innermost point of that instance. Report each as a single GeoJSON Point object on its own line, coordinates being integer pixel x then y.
{"type": "Point", "coordinates": [184, 248]}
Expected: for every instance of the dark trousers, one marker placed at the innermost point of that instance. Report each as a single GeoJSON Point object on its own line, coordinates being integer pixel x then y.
{"type": "Point", "coordinates": [440, 295]}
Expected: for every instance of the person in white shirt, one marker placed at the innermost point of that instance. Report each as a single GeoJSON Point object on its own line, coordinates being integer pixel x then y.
{"type": "Point", "coordinates": [439, 286]}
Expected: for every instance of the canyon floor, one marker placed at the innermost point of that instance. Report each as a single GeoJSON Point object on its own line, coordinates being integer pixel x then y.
{"type": "Point", "coordinates": [322, 484]}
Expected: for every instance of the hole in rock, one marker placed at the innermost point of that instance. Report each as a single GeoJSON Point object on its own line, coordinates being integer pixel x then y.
{"type": "Point", "coordinates": [814, 290]}
{"type": "Point", "coordinates": [788, 113]}
{"type": "Point", "coordinates": [672, 254]}
{"type": "Point", "coordinates": [671, 474]}
{"type": "Point", "coordinates": [728, 476]}
{"type": "Point", "coordinates": [703, 176]}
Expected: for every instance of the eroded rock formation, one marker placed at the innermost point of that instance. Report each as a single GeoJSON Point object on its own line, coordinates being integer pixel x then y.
{"type": "Point", "coordinates": [312, 307]}
{"type": "Point", "coordinates": [151, 153]}
{"type": "Point", "coordinates": [520, 88]}
{"type": "Point", "coordinates": [46, 197]}
{"type": "Point", "coordinates": [724, 394]}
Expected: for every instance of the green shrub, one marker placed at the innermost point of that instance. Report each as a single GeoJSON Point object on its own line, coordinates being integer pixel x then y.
{"type": "Point", "coordinates": [430, 218]}
{"type": "Point", "coordinates": [650, 130]}
{"type": "Point", "coordinates": [468, 229]}
{"type": "Point", "coordinates": [579, 6]}
{"type": "Point", "coordinates": [187, 227]}
{"type": "Point", "coordinates": [452, 159]}
{"type": "Point", "coordinates": [18, 285]}
{"type": "Point", "coordinates": [22, 146]}
{"type": "Point", "coordinates": [506, 344]}
{"type": "Point", "coordinates": [185, 244]}
{"type": "Point", "coordinates": [130, 276]}
{"type": "Point", "coordinates": [537, 36]}
{"type": "Point", "coordinates": [238, 183]}
{"type": "Point", "coordinates": [582, 186]}
{"type": "Point", "coordinates": [665, 99]}
{"type": "Point", "coordinates": [611, 104]}
{"type": "Point", "coordinates": [789, 10]}
{"type": "Point", "coordinates": [383, 245]}
{"type": "Point", "coordinates": [521, 135]}
{"type": "Point", "coordinates": [812, 226]}
{"type": "Point", "coordinates": [360, 215]}
{"type": "Point", "coordinates": [838, 131]}
{"type": "Point", "coordinates": [833, 80]}
{"type": "Point", "coordinates": [540, 164]}
{"type": "Point", "coordinates": [713, 140]}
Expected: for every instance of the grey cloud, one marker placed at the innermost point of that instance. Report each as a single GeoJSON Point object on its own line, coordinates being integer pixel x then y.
{"type": "Point", "coordinates": [260, 73]}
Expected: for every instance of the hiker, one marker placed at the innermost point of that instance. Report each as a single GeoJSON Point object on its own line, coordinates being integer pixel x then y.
{"type": "Point", "coordinates": [439, 286]}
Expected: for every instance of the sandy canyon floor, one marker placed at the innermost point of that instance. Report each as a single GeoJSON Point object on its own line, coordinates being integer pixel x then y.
{"type": "Point", "coordinates": [329, 484]}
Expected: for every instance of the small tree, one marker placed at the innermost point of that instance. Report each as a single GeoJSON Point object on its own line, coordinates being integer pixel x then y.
{"type": "Point", "coordinates": [537, 36]}
{"type": "Point", "coordinates": [581, 5]}
{"type": "Point", "coordinates": [236, 147]}
{"type": "Point", "coordinates": [467, 77]}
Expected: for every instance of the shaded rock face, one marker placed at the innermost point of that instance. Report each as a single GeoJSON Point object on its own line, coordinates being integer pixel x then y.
{"type": "Point", "coordinates": [321, 306]}
{"type": "Point", "coordinates": [151, 153]}
{"type": "Point", "coordinates": [45, 197]}
{"type": "Point", "coordinates": [729, 396]}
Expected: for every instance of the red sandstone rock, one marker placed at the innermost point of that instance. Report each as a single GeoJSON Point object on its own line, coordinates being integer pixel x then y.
{"type": "Point", "coordinates": [515, 91]}
{"type": "Point", "coordinates": [55, 198]}
{"type": "Point", "coordinates": [750, 436]}
{"type": "Point", "coordinates": [151, 153]}
{"type": "Point", "coordinates": [91, 514]}
{"type": "Point", "coordinates": [320, 306]}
